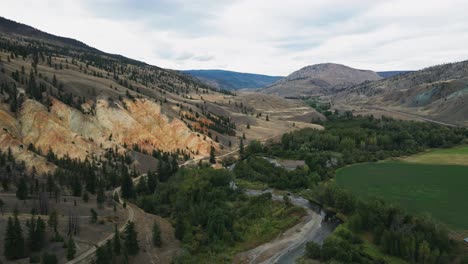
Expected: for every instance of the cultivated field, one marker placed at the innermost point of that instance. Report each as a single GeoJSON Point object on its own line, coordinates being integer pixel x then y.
{"type": "Point", "coordinates": [440, 190]}
{"type": "Point", "coordinates": [452, 156]}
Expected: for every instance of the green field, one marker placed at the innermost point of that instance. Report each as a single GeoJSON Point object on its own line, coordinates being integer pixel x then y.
{"type": "Point", "coordinates": [452, 156]}
{"type": "Point", "coordinates": [440, 190]}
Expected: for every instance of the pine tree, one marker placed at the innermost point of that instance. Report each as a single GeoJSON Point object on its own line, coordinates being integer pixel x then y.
{"type": "Point", "coordinates": [241, 149]}
{"type": "Point", "coordinates": [9, 246]}
{"type": "Point", "coordinates": [94, 216]}
{"type": "Point", "coordinates": [156, 236]}
{"type": "Point", "coordinates": [116, 241]}
{"type": "Point", "coordinates": [14, 241]}
{"type": "Point", "coordinates": [212, 155]}
{"type": "Point", "coordinates": [131, 239]}
{"type": "Point", "coordinates": [22, 190]}
{"type": "Point", "coordinates": [152, 182]}
{"type": "Point", "coordinates": [179, 228]}
{"type": "Point", "coordinates": [100, 198]}
{"type": "Point", "coordinates": [102, 256]}
{"type": "Point", "coordinates": [36, 233]}
{"type": "Point", "coordinates": [53, 220]}
{"type": "Point", "coordinates": [128, 191]}
{"type": "Point", "coordinates": [71, 248]}
{"type": "Point", "coordinates": [49, 258]}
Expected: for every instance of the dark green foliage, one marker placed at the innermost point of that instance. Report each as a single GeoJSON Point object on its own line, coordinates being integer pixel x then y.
{"type": "Point", "coordinates": [71, 248]}
{"type": "Point", "coordinates": [94, 216]}
{"type": "Point", "coordinates": [128, 191]}
{"type": "Point", "coordinates": [14, 247]}
{"type": "Point", "coordinates": [36, 233]}
{"type": "Point", "coordinates": [131, 239]}
{"type": "Point", "coordinates": [156, 235]}
{"type": "Point", "coordinates": [48, 258]}
{"type": "Point", "coordinates": [347, 139]}
{"type": "Point", "coordinates": [259, 169]}
{"type": "Point", "coordinates": [22, 189]}
{"type": "Point", "coordinates": [313, 250]}
{"type": "Point", "coordinates": [103, 256]}
{"type": "Point", "coordinates": [415, 239]}
{"type": "Point", "coordinates": [100, 197]}
{"type": "Point", "coordinates": [212, 155]}
{"type": "Point", "coordinates": [116, 241]}
{"type": "Point", "coordinates": [152, 181]}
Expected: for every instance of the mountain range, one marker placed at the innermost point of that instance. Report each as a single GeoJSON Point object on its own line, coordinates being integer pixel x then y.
{"type": "Point", "coordinates": [229, 80]}
{"type": "Point", "coordinates": [319, 79]}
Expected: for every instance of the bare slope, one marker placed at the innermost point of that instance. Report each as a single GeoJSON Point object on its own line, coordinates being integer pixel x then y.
{"type": "Point", "coordinates": [59, 94]}
{"type": "Point", "coordinates": [319, 79]}
{"type": "Point", "coordinates": [439, 92]}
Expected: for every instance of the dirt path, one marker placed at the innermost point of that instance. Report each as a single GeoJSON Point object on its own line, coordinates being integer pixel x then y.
{"type": "Point", "coordinates": [413, 116]}
{"type": "Point", "coordinates": [91, 251]}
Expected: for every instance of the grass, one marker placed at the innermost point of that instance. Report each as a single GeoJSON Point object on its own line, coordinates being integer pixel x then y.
{"type": "Point", "coordinates": [440, 190]}
{"type": "Point", "coordinates": [255, 232]}
{"type": "Point", "coordinates": [451, 156]}
{"type": "Point", "coordinates": [254, 185]}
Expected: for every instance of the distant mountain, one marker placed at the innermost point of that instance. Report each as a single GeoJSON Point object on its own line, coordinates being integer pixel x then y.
{"type": "Point", "coordinates": [229, 80]}
{"type": "Point", "coordinates": [387, 74]}
{"type": "Point", "coordinates": [439, 92]}
{"type": "Point", "coordinates": [320, 79]}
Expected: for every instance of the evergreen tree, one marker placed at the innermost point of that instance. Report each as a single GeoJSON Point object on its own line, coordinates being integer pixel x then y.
{"type": "Point", "coordinates": [131, 239]}
{"type": "Point", "coordinates": [142, 187]}
{"type": "Point", "coordinates": [49, 258]}
{"type": "Point", "coordinates": [212, 155]}
{"type": "Point", "coordinates": [179, 228]}
{"type": "Point", "coordinates": [14, 241]}
{"type": "Point", "coordinates": [36, 233]}
{"type": "Point", "coordinates": [53, 220]}
{"type": "Point", "coordinates": [22, 190]}
{"type": "Point", "coordinates": [241, 149]}
{"type": "Point", "coordinates": [116, 241]}
{"type": "Point", "coordinates": [128, 191]}
{"type": "Point", "coordinates": [94, 216]}
{"type": "Point", "coordinates": [2, 204]}
{"type": "Point", "coordinates": [85, 197]}
{"type": "Point", "coordinates": [152, 182]}
{"type": "Point", "coordinates": [102, 256]}
{"type": "Point", "coordinates": [71, 248]}
{"type": "Point", "coordinates": [156, 236]}
{"type": "Point", "coordinates": [100, 198]}
{"type": "Point", "coordinates": [9, 245]}
{"type": "Point", "coordinates": [76, 186]}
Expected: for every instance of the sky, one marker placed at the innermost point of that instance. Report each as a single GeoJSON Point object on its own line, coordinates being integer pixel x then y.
{"type": "Point", "coordinates": [260, 36]}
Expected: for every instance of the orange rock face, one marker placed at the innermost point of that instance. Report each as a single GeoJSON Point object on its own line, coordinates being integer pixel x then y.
{"type": "Point", "coordinates": [68, 131]}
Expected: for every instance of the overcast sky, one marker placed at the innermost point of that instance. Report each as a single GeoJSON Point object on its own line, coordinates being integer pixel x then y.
{"type": "Point", "coordinates": [260, 36]}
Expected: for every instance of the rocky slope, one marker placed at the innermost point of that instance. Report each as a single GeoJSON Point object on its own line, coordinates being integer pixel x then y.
{"type": "Point", "coordinates": [439, 92]}
{"type": "Point", "coordinates": [319, 79]}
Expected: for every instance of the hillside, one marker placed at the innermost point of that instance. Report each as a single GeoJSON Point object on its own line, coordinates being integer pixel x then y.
{"type": "Point", "coordinates": [60, 94]}
{"type": "Point", "coordinates": [229, 80]}
{"type": "Point", "coordinates": [439, 92]}
{"type": "Point", "coordinates": [319, 79]}
{"type": "Point", "coordinates": [387, 74]}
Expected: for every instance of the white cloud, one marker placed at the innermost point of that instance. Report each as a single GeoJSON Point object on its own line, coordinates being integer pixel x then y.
{"type": "Point", "coordinates": [262, 36]}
